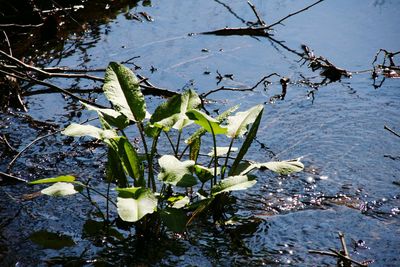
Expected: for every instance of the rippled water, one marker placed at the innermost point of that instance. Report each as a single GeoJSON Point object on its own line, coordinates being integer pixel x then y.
{"type": "Point", "coordinates": [352, 164]}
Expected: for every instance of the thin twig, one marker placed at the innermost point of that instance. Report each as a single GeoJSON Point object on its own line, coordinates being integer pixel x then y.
{"type": "Point", "coordinates": [290, 15]}
{"type": "Point", "coordinates": [392, 131]}
{"type": "Point", "coordinates": [12, 25]}
{"type": "Point", "coordinates": [260, 21]}
{"type": "Point", "coordinates": [8, 42]}
{"type": "Point", "coordinates": [9, 176]}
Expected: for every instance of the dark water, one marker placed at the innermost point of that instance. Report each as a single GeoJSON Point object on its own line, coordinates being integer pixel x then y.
{"type": "Point", "coordinates": [351, 161]}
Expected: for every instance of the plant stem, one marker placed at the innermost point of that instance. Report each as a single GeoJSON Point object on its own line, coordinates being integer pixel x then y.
{"type": "Point", "coordinates": [149, 159]}
{"type": "Point", "coordinates": [226, 159]}
{"type": "Point", "coordinates": [183, 152]}
{"type": "Point", "coordinates": [170, 142]}
{"type": "Point", "coordinates": [107, 202]}
{"type": "Point", "coordinates": [177, 143]}
{"type": "Point", "coordinates": [96, 191]}
{"type": "Point", "coordinates": [215, 153]}
{"type": "Point", "coordinates": [152, 153]}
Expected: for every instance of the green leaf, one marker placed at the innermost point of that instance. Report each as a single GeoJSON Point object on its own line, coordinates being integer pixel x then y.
{"type": "Point", "coordinates": [111, 116]}
{"type": "Point", "coordinates": [233, 183]}
{"type": "Point", "coordinates": [60, 189]}
{"type": "Point", "coordinates": [206, 122]}
{"type": "Point", "coordinates": [114, 169]}
{"type": "Point", "coordinates": [280, 167]}
{"type": "Point", "coordinates": [237, 124]}
{"type": "Point", "coordinates": [128, 157]}
{"type": "Point", "coordinates": [175, 172]}
{"type": "Point", "coordinates": [181, 202]}
{"type": "Point", "coordinates": [200, 132]}
{"type": "Point", "coordinates": [195, 149]}
{"type": "Point", "coordinates": [172, 114]}
{"type": "Point", "coordinates": [122, 88]}
{"type": "Point", "coordinates": [51, 240]}
{"type": "Point", "coordinates": [246, 144]}
{"type": "Point", "coordinates": [62, 178]}
{"type": "Point", "coordinates": [204, 174]}
{"type": "Point", "coordinates": [174, 219]}
{"type": "Point", "coordinates": [135, 202]}
{"type": "Point", "coordinates": [222, 150]}
{"type": "Point", "coordinates": [78, 130]}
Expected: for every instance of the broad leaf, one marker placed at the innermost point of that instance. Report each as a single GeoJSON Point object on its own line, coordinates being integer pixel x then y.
{"type": "Point", "coordinates": [200, 132]}
{"type": "Point", "coordinates": [128, 157]}
{"type": "Point", "coordinates": [281, 167]}
{"type": "Point", "coordinates": [174, 219]}
{"type": "Point", "coordinates": [78, 130]}
{"type": "Point", "coordinates": [175, 172]}
{"type": "Point", "coordinates": [172, 114]}
{"type": "Point", "coordinates": [122, 88]}
{"type": "Point", "coordinates": [205, 121]}
{"type": "Point", "coordinates": [62, 178]}
{"type": "Point", "coordinates": [60, 189]}
{"type": "Point", "coordinates": [111, 116]}
{"type": "Point", "coordinates": [233, 183]}
{"type": "Point", "coordinates": [195, 149]}
{"type": "Point", "coordinates": [181, 202]}
{"type": "Point", "coordinates": [134, 203]}
{"type": "Point", "coordinates": [246, 144]}
{"type": "Point", "coordinates": [204, 174]}
{"type": "Point", "coordinates": [222, 150]}
{"type": "Point", "coordinates": [115, 172]}
{"type": "Point", "coordinates": [237, 124]}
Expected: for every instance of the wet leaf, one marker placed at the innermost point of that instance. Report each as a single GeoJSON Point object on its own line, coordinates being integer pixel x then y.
{"type": "Point", "coordinates": [122, 88]}
{"type": "Point", "coordinates": [135, 202]}
{"type": "Point", "coordinates": [181, 202]}
{"type": "Point", "coordinates": [175, 172]}
{"type": "Point", "coordinates": [206, 122]}
{"type": "Point", "coordinates": [174, 219]}
{"type": "Point", "coordinates": [172, 114]}
{"type": "Point", "coordinates": [111, 116]}
{"type": "Point", "coordinates": [246, 144]}
{"type": "Point", "coordinates": [60, 189]}
{"type": "Point", "coordinates": [221, 151]}
{"type": "Point", "coordinates": [51, 240]}
{"type": "Point", "coordinates": [281, 167]}
{"type": "Point", "coordinates": [204, 174]}
{"type": "Point", "coordinates": [233, 183]}
{"type": "Point", "coordinates": [78, 130]}
{"type": "Point", "coordinates": [62, 178]}
{"type": "Point", "coordinates": [237, 124]}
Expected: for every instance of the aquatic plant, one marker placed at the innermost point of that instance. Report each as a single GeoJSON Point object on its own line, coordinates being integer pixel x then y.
{"type": "Point", "coordinates": [184, 187]}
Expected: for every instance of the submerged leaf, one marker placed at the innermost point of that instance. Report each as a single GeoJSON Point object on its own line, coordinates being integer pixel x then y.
{"type": "Point", "coordinates": [78, 130]}
{"type": "Point", "coordinates": [51, 240]}
{"type": "Point", "coordinates": [135, 202]}
{"type": "Point", "coordinates": [208, 123]}
{"type": "Point", "coordinates": [122, 88]}
{"type": "Point", "coordinates": [237, 124]}
{"type": "Point", "coordinates": [175, 172]}
{"type": "Point", "coordinates": [62, 178]}
{"type": "Point", "coordinates": [60, 189]}
{"type": "Point", "coordinates": [233, 183]}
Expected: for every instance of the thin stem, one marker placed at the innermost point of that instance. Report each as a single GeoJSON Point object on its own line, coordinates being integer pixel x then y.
{"type": "Point", "coordinates": [96, 191]}
{"type": "Point", "coordinates": [177, 143]}
{"type": "Point", "coordinates": [226, 159]}
{"type": "Point", "coordinates": [149, 159]}
{"type": "Point", "coordinates": [107, 202]}
{"type": "Point", "coordinates": [152, 153]}
{"type": "Point", "coordinates": [183, 152]}
{"type": "Point", "coordinates": [170, 142]}
{"type": "Point", "coordinates": [215, 152]}
{"type": "Point", "coordinates": [94, 204]}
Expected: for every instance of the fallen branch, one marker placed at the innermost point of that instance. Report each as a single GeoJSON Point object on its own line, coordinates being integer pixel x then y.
{"type": "Point", "coordinates": [392, 131]}
{"type": "Point", "coordinates": [12, 177]}
{"type": "Point", "coordinates": [223, 88]}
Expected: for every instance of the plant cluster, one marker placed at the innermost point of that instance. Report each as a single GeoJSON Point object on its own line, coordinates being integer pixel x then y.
{"type": "Point", "coordinates": [166, 190]}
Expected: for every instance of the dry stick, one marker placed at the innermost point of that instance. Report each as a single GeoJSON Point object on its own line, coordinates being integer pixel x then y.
{"type": "Point", "coordinates": [343, 257]}
{"type": "Point", "coordinates": [8, 42]}
{"type": "Point", "coordinates": [290, 15]}
{"type": "Point", "coordinates": [9, 176]}
{"type": "Point", "coordinates": [392, 131]}
{"type": "Point", "coordinates": [21, 25]}
{"type": "Point", "coordinates": [48, 74]}
{"type": "Point", "coordinates": [223, 88]}
{"type": "Point", "coordinates": [343, 242]}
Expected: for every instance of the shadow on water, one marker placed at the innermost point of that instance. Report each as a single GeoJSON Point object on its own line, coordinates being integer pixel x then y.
{"type": "Point", "coordinates": [313, 110]}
